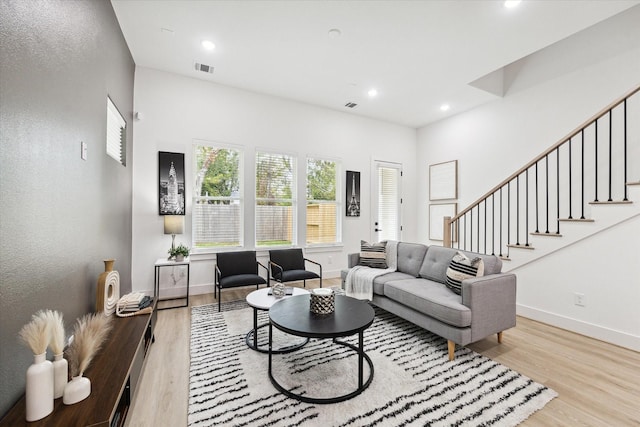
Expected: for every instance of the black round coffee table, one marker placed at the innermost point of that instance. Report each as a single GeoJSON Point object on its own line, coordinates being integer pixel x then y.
{"type": "Point", "coordinates": [351, 316]}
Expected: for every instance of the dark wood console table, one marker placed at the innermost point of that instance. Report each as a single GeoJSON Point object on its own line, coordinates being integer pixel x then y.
{"type": "Point", "coordinates": [114, 374]}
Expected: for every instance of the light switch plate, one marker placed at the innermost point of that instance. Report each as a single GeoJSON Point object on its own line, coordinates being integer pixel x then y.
{"type": "Point", "coordinates": [83, 150]}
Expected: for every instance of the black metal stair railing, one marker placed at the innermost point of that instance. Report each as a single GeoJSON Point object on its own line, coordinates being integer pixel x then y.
{"type": "Point", "coordinates": [604, 142]}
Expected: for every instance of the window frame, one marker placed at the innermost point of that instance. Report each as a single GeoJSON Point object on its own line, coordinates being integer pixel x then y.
{"type": "Point", "coordinates": [293, 200]}
{"type": "Point", "coordinates": [116, 146]}
{"type": "Point", "coordinates": [338, 201]}
{"type": "Point", "coordinates": [240, 198]}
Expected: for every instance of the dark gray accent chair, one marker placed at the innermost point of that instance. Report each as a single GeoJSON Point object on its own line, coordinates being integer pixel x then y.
{"type": "Point", "coordinates": [288, 265]}
{"type": "Point", "coordinates": [235, 269]}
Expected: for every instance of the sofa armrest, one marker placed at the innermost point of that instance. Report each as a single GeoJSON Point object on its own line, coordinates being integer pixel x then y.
{"type": "Point", "coordinates": [492, 300]}
{"type": "Point", "coordinates": [353, 259]}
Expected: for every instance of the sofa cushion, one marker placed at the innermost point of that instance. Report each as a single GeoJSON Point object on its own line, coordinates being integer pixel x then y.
{"type": "Point", "coordinates": [436, 262]}
{"type": "Point", "coordinates": [410, 257]}
{"type": "Point", "coordinates": [462, 267]}
{"type": "Point", "coordinates": [437, 259]}
{"type": "Point", "coordinates": [431, 298]}
{"type": "Point", "coordinates": [378, 282]}
{"type": "Point", "coordinates": [373, 254]}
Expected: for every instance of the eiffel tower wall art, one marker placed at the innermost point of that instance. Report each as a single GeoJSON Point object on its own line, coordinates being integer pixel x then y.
{"type": "Point", "coordinates": [171, 183]}
{"type": "Point", "coordinates": [353, 193]}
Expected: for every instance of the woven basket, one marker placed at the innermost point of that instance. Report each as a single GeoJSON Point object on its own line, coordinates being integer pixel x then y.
{"type": "Point", "coordinates": [322, 304]}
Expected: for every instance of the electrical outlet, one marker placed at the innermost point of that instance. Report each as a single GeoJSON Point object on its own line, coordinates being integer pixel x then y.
{"type": "Point", "coordinates": [578, 299]}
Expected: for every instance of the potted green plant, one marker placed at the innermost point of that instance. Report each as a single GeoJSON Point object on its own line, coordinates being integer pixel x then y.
{"type": "Point", "coordinates": [179, 252]}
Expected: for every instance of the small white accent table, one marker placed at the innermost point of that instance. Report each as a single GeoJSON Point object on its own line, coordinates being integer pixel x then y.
{"type": "Point", "coordinates": [163, 262]}
{"type": "Point", "coordinates": [261, 300]}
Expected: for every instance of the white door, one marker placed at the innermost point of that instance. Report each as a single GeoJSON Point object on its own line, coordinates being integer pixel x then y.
{"type": "Point", "coordinates": [386, 201]}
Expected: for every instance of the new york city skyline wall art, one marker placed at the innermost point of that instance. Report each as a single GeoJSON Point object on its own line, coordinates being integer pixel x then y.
{"type": "Point", "coordinates": [171, 183]}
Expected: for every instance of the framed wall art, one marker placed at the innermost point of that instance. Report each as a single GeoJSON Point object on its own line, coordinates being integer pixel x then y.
{"type": "Point", "coordinates": [171, 195]}
{"type": "Point", "coordinates": [437, 212]}
{"type": "Point", "coordinates": [353, 194]}
{"type": "Point", "coordinates": [443, 181]}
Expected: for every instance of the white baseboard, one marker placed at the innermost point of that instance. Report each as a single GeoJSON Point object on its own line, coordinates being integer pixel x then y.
{"type": "Point", "coordinates": [591, 330]}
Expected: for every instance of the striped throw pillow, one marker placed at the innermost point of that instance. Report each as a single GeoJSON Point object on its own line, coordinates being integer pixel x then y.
{"type": "Point", "coordinates": [373, 255]}
{"type": "Point", "coordinates": [460, 268]}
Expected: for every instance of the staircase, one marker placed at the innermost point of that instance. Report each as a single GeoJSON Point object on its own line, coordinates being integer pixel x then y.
{"type": "Point", "coordinates": [582, 185]}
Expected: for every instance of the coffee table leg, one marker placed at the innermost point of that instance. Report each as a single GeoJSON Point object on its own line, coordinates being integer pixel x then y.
{"type": "Point", "coordinates": [270, 341]}
{"type": "Point", "coordinates": [360, 353]}
{"type": "Point", "coordinates": [255, 327]}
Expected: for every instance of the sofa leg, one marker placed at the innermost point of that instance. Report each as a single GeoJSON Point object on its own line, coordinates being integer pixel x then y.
{"type": "Point", "coordinates": [500, 337]}
{"type": "Point", "coordinates": [452, 349]}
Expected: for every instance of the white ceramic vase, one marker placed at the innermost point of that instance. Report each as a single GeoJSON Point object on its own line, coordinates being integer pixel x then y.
{"type": "Point", "coordinates": [79, 388]}
{"type": "Point", "coordinates": [60, 375]}
{"type": "Point", "coordinates": [39, 388]}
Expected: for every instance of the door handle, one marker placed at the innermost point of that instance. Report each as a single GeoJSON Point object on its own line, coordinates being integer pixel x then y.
{"type": "Point", "coordinates": [377, 229]}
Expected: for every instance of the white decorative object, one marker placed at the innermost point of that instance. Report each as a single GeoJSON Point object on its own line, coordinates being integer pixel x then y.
{"type": "Point", "coordinates": [60, 375]}
{"type": "Point", "coordinates": [39, 388]}
{"type": "Point", "coordinates": [60, 364]}
{"type": "Point", "coordinates": [278, 290]}
{"type": "Point", "coordinates": [89, 333]}
{"type": "Point", "coordinates": [76, 390]}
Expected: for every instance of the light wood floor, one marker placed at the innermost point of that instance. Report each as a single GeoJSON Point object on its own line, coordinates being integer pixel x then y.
{"type": "Point", "coordinates": [598, 383]}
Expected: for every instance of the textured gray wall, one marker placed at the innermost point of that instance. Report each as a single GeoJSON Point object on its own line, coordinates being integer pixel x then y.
{"type": "Point", "coordinates": [60, 216]}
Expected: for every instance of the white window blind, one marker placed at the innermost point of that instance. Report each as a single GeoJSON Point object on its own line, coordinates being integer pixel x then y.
{"type": "Point", "coordinates": [389, 203]}
{"type": "Point", "coordinates": [217, 214]}
{"type": "Point", "coordinates": [323, 204]}
{"type": "Point", "coordinates": [116, 133]}
{"type": "Point", "coordinates": [275, 199]}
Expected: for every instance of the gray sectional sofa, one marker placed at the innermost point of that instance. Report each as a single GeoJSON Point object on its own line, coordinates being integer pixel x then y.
{"type": "Point", "coordinates": [417, 293]}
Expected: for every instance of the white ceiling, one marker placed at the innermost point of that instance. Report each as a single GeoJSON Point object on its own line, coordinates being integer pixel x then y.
{"type": "Point", "coordinates": [417, 54]}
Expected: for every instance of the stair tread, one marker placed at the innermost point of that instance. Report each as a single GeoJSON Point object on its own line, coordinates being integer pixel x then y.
{"type": "Point", "coordinates": [505, 258]}
{"type": "Point", "coordinates": [612, 202]}
{"type": "Point", "coordinates": [633, 183]}
{"type": "Point", "coordinates": [513, 245]}
{"type": "Point", "coordinates": [576, 219]}
{"type": "Point", "coordinates": [546, 234]}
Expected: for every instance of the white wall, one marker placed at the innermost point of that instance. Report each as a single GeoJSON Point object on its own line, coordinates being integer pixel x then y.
{"type": "Point", "coordinates": [604, 268]}
{"type": "Point", "coordinates": [493, 141]}
{"type": "Point", "coordinates": [176, 110]}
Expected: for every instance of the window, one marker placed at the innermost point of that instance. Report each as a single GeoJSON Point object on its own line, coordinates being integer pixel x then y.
{"type": "Point", "coordinates": [116, 133]}
{"type": "Point", "coordinates": [275, 199]}
{"type": "Point", "coordinates": [217, 196]}
{"type": "Point", "coordinates": [323, 205]}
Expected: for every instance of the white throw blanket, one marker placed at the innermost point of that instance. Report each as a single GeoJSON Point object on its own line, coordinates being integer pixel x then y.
{"type": "Point", "coordinates": [359, 281]}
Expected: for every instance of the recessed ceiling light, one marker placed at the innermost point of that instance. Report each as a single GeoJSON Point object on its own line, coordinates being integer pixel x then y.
{"type": "Point", "coordinates": [445, 107]}
{"type": "Point", "coordinates": [334, 33]}
{"type": "Point", "coordinates": [208, 44]}
{"type": "Point", "coordinates": [372, 93]}
{"type": "Point", "coordinates": [510, 4]}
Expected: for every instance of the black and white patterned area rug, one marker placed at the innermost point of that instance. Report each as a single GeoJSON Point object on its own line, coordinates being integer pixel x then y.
{"type": "Point", "coordinates": [414, 383]}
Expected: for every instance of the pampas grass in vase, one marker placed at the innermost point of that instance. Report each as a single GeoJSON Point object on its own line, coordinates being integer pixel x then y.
{"type": "Point", "coordinates": [39, 382]}
{"type": "Point", "coordinates": [88, 336]}
{"type": "Point", "coordinates": [60, 365]}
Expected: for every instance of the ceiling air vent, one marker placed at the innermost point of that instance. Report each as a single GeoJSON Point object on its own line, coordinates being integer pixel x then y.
{"type": "Point", "coordinates": [204, 68]}
{"type": "Point", "coordinates": [351, 105]}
